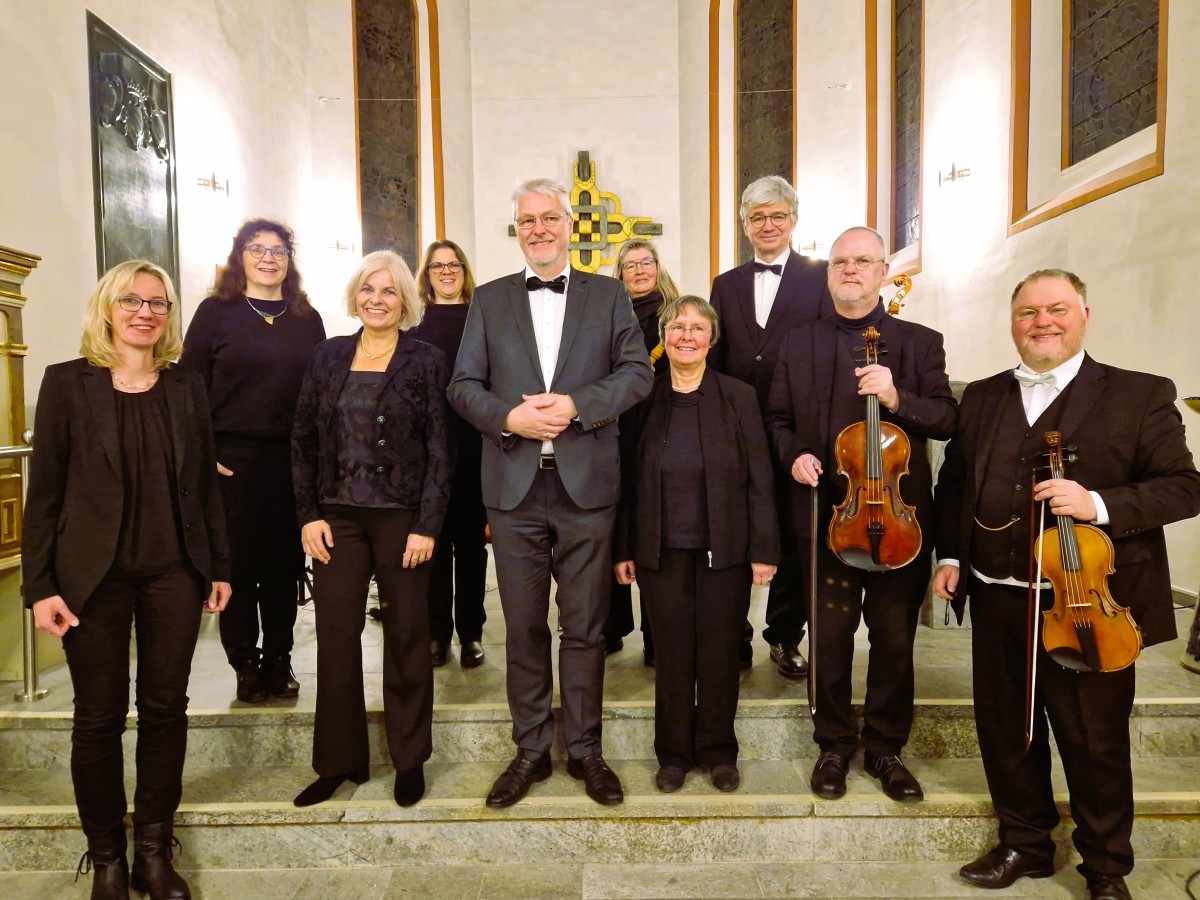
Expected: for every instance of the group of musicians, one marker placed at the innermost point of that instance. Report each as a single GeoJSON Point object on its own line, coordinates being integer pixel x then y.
{"type": "Point", "coordinates": [793, 398]}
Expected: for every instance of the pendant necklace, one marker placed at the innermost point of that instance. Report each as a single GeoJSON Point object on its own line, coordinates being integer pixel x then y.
{"type": "Point", "coordinates": [270, 320]}
{"type": "Point", "coordinates": [151, 380]}
{"type": "Point", "coordinates": [363, 347]}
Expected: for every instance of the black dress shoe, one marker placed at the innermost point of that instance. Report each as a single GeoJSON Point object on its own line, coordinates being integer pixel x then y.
{"type": "Point", "coordinates": [1105, 887]}
{"type": "Point", "coordinates": [281, 681]}
{"type": "Point", "coordinates": [322, 789]}
{"type": "Point", "coordinates": [471, 654]}
{"type": "Point", "coordinates": [1001, 866]}
{"type": "Point", "coordinates": [515, 781]}
{"type": "Point", "coordinates": [439, 650]}
{"type": "Point", "coordinates": [600, 782]}
{"type": "Point", "coordinates": [726, 778]}
{"type": "Point", "coordinates": [250, 685]}
{"type": "Point", "coordinates": [410, 785]}
{"type": "Point", "coordinates": [829, 775]}
{"type": "Point", "coordinates": [613, 645]}
{"type": "Point", "coordinates": [669, 779]}
{"type": "Point", "coordinates": [789, 660]}
{"type": "Point", "coordinates": [895, 779]}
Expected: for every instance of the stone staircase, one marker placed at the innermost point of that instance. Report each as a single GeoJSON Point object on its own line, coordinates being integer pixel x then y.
{"type": "Point", "coordinates": [243, 837]}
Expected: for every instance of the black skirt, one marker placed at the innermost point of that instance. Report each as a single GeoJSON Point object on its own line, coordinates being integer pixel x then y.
{"type": "Point", "coordinates": [260, 508]}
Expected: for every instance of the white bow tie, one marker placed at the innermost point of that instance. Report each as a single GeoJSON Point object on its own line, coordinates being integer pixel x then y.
{"type": "Point", "coordinates": [1028, 379]}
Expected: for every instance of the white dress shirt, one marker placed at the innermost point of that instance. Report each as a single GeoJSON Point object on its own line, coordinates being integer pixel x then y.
{"type": "Point", "coordinates": [766, 286]}
{"type": "Point", "coordinates": [548, 308]}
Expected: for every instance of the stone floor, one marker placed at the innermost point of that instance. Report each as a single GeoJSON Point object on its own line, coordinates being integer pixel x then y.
{"type": "Point", "coordinates": [943, 681]}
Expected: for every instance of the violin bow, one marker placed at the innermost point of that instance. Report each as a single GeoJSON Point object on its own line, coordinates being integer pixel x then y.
{"type": "Point", "coordinates": [814, 519]}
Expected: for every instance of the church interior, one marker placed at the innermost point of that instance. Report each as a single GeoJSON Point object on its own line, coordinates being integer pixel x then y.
{"type": "Point", "coordinates": [386, 124]}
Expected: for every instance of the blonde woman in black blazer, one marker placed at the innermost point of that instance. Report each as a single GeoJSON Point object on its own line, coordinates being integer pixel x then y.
{"type": "Point", "coordinates": [123, 527]}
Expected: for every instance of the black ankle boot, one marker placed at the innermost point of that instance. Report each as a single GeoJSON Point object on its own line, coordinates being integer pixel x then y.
{"type": "Point", "coordinates": [110, 871]}
{"type": "Point", "coordinates": [281, 682]}
{"type": "Point", "coordinates": [153, 873]}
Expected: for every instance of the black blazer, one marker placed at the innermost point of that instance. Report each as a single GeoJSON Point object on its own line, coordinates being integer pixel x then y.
{"type": "Point", "coordinates": [1131, 450]}
{"type": "Point", "coordinates": [799, 410]}
{"type": "Point", "coordinates": [748, 352]}
{"type": "Point", "coordinates": [739, 487]}
{"type": "Point", "coordinates": [413, 440]}
{"type": "Point", "coordinates": [76, 498]}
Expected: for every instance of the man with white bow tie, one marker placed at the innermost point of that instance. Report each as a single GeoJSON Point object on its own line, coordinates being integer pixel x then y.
{"type": "Point", "coordinates": [1133, 475]}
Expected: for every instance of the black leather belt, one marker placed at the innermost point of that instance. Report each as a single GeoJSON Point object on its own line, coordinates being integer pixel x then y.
{"type": "Point", "coordinates": [547, 461]}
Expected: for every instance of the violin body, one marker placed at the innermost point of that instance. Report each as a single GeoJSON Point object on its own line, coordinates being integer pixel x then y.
{"type": "Point", "coordinates": [873, 528]}
{"type": "Point", "coordinates": [1086, 630]}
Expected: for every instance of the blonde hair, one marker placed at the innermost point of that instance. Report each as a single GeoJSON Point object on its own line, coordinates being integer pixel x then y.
{"type": "Point", "coordinates": [96, 345]}
{"type": "Point", "coordinates": [402, 279]}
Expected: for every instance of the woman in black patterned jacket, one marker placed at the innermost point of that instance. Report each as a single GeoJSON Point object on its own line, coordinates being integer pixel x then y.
{"type": "Point", "coordinates": [373, 462]}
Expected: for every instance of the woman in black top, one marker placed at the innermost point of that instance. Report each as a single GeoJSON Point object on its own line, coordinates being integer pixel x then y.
{"type": "Point", "coordinates": [696, 527]}
{"type": "Point", "coordinates": [123, 531]}
{"type": "Point", "coordinates": [252, 342]}
{"type": "Point", "coordinates": [458, 582]}
{"type": "Point", "coordinates": [373, 461]}
{"type": "Point", "coordinates": [650, 288]}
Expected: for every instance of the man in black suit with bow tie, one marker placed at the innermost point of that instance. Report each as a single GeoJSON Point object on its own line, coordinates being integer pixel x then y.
{"type": "Point", "coordinates": [757, 304]}
{"type": "Point", "coordinates": [550, 357]}
{"type": "Point", "coordinates": [1133, 475]}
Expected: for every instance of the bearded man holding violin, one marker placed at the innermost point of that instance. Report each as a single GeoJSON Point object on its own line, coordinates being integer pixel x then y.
{"type": "Point", "coordinates": [821, 388]}
{"type": "Point", "coordinates": [1130, 473]}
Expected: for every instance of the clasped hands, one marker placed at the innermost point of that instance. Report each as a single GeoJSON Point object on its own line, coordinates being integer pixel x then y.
{"type": "Point", "coordinates": [541, 417]}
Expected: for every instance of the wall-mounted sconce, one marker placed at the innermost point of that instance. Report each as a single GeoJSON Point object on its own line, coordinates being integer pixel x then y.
{"type": "Point", "coordinates": [338, 246]}
{"type": "Point", "coordinates": [955, 174]}
{"type": "Point", "coordinates": [812, 247]}
{"type": "Point", "coordinates": [214, 184]}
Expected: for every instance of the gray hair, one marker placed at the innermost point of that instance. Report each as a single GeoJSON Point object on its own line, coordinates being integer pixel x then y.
{"type": "Point", "coordinates": [674, 309]}
{"type": "Point", "coordinates": [766, 190]}
{"type": "Point", "coordinates": [1043, 274]}
{"type": "Point", "coordinates": [867, 228]}
{"type": "Point", "coordinates": [547, 187]}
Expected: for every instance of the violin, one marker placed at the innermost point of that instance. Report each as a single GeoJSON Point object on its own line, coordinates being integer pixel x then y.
{"type": "Point", "coordinates": [1086, 630]}
{"type": "Point", "coordinates": [873, 528]}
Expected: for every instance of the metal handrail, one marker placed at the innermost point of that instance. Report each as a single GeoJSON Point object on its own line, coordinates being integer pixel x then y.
{"type": "Point", "coordinates": [31, 691]}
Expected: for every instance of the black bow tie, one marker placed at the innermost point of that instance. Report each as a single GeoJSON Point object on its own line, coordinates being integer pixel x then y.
{"type": "Point", "coordinates": [558, 285]}
{"type": "Point", "coordinates": [775, 268]}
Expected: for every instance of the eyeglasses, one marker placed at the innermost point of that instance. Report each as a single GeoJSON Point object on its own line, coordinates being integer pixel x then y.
{"type": "Point", "coordinates": [132, 304]}
{"type": "Point", "coordinates": [678, 331]}
{"type": "Point", "coordinates": [258, 251]}
{"type": "Point", "coordinates": [758, 220]}
{"type": "Point", "coordinates": [550, 220]}
{"type": "Point", "coordinates": [452, 267]}
{"type": "Point", "coordinates": [860, 262]}
{"type": "Point", "coordinates": [644, 264]}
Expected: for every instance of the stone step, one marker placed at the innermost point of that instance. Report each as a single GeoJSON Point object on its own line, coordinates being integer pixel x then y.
{"type": "Point", "coordinates": [277, 735]}
{"type": "Point", "coordinates": [1158, 879]}
{"type": "Point", "coordinates": [243, 818]}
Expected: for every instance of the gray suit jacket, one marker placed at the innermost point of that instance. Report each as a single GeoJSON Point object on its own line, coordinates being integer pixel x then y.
{"type": "Point", "coordinates": [602, 365]}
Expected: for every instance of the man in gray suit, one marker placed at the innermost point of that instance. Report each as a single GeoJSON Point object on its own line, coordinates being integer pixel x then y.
{"type": "Point", "coordinates": [550, 357]}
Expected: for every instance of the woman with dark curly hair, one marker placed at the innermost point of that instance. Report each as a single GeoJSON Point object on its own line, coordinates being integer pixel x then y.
{"type": "Point", "coordinates": [252, 341]}
{"type": "Point", "coordinates": [456, 588]}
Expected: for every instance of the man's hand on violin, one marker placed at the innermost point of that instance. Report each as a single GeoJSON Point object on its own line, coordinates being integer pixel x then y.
{"type": "Point", "coordinates": [1067, 498]}
{"type": "Point", "coordinates": [807, 469]}
{"type": "Point", "coordinates": [876, 379]}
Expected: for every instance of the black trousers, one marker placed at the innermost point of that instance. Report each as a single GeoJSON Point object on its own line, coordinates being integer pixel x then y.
{"type": "Point", "coordinates": [547, 530]}
{"type": "Point", "coordinates": [890, 604]}
{"type": "Point", "coordinates": [459, 577]}
{"type": "Point", "coordinates": [367, 541]}
{"type": "Point", "coordinates": [787, 596]}
{"type": "Point", "coordinates": [697, 613]}
{"type": "Point", "coordinates": [1089, 712]}
{"type": "Point", "coordinates": [264, 548]}
{"type": "Point", "coordinates": [163, 612]}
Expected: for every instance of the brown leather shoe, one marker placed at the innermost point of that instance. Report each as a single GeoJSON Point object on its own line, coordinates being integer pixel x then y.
{"type": "Point", "coordinates": [600, 782]}
{"type": "Point", "coordinates": [515, 781]}
{"type": "Point", "coordinates": [669, 779]}
{"type": "Point", "coordinates": [789, 660]}
{"type": "Point", "coordinates": [725, 778]}
{"type": "Point", "coordinates": [1105, 887]}
{"type": "Point", "coordinates": [829, 775]}
{"type": "Point", "coordinates": [895, 779]}
{"type": "Point", "coordinates": [1001, 866]}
